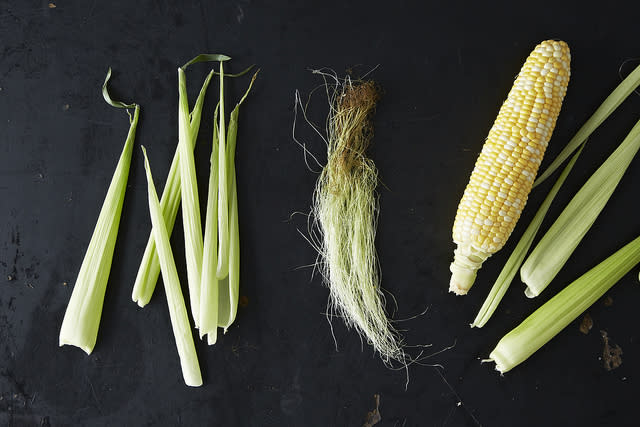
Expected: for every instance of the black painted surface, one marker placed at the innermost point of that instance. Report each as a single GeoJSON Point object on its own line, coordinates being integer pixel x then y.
{"type": "Point", "coordinates": [445, 70]}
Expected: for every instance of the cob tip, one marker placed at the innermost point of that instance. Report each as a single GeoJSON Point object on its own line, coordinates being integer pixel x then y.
{"type": "Point", "coordinates": [466, 263]}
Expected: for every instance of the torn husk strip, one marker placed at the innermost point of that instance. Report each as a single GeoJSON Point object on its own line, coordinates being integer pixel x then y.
{"type": "Point", "coordinates": [219, 295]}
{"type": "Point", "coordinates": [518, 255]}
{"type": "Point", "coordinates": [228, 306]}
{"type": "Point", "coordinates": [82, 317]}
{"type": "Point", "coordinates": [546, 322]}
{"type": "Point", "coordinates": [191, 221]}
{"type": "Point", "coordinates": [223, 191]}
{"type": "Point", "coordinates": [177, 309]}
{"type": "Point", "coordinates": [619, 94]}
{"type": "Point", "coordinates": [228, 301]}
{"type": "Point", "coordinates": [345, 209]}
{"type": "Point", "coordinates": [149, 269]}
{"type": "Point", "coordinates": [209, 283]}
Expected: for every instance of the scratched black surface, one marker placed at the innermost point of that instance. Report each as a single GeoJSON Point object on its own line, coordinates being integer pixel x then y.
{"type": "Point", "coordinates": [445, 70]}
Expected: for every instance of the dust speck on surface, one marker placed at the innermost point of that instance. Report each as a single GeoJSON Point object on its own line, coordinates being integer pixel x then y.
{"type": "Point", "coordinates": [243, 301]}
{"type": "Point", "coordinates": [66, 107]}
{"type": "Point", "coordinates": [611, 355]}
{"type": "Point", "coordinates": [608, 301]}
{"type": "Point", "coordinates": [240, 15]}
{"type": "Point", "coordinates": [586, 324]}
{"type": "Point", "coordinates": [373, 417]}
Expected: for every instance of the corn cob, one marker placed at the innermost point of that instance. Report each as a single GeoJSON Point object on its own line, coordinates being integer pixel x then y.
{"type": "Point", "coordinates": [505, 170]}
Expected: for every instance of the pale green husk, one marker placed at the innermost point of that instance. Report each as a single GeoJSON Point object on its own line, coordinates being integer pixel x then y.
{"type": "Point", "coordinates": [149, 269]}
{"type": "Point", "coordinates": [226, 288]}
{"type": "Point", "coordinates": [230, 286]}
{"type": "Point", "coordinates": [177, 309]}
{"type": "Point", "coordinates": [206, 57]}
{"type": "Point", "coordinates": [209, 283]}
{"type": "Point", "coordinates": [539, 328]}
{"type": "Point", "coordinates": [82, 317]}
{"type": "Point", "coordinates": [228, 302]}
{"type": "Point", "coordinates": [557, 245]}
{"type": "Point", "coordinates": [223, 190]}
{"type": "Point", "coordinates": [191, 221]}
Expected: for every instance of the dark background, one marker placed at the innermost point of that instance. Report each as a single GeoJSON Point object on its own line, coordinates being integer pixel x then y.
{"type": "Point", "coordinates": [445, 69]}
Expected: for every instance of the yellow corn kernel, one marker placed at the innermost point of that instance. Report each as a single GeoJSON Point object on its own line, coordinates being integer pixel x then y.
{"type": "Point", "coordinates": [508, 163]}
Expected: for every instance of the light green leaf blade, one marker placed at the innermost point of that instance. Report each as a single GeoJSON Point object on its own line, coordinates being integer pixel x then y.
{"type": "Point", "coordinates": [223, 191]}
{"type": "Point", "coordinates": [149, 269]}
{"type": "Point", "coordinates": [82, 317]}
{"type": "Point", "coordinates": [240, 74]}
{"type": "Point", "coordinates": [177, 309]}
{"type": "Point", "coordinates": [207, 57]}
{"type": "Point", "coordinates": [233, 280]}
{"type": "Point", "coordinates": [547, 321]}
{"type": "Point", "coordinates": [209, 283]}
{"type": "Point", "coordinates": [557, 245]}
{"type": "Point", "coordinates": [107, 97]}
{"type": "Point", "coordinates": [229, 295]}
{"type": "Point", "coordinates": [191, 220]}
{"type": "Point", "coordinates": [609, 105]}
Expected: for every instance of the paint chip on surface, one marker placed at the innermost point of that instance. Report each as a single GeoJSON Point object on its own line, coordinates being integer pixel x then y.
{"type": "Point", "coordinates": [611, 356]}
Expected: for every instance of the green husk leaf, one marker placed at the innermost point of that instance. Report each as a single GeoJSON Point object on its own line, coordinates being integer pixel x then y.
{"type": "Point", "coordinates": [107, 97]}
{"type": "Point", "coordinates": [609, 105]}
{"type": "Point", "coordinates": [240, 74]}
{"type": "Point", "coordinates": [518, 255]}
{"type": "Point", "coordinates": [228, 302]}
{"type": "Point", "coordinates": [209, 282]}
{"type": "Point", "coordinates": [207, 57]}
{"type": "Point", "coordinates": [223, 196]}
{"type": "Point", "coordinates": [546, 322]}
{"type": "Point", "coordinates": [149, 269]}
{"type": "Point", "coordinates": [177, 309]}
{"type": "Point", "coordinates": [191, 220]}
{"type": "Point", "coordinates": [82, 317]}
{"type": "Point", "coordinates": [233, 279]}
{"type": "Point", "coordinates": [557, 245]}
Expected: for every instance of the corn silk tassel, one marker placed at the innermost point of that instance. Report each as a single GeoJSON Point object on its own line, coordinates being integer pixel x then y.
{"type": "Point", "coordinates": [344, 211]}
